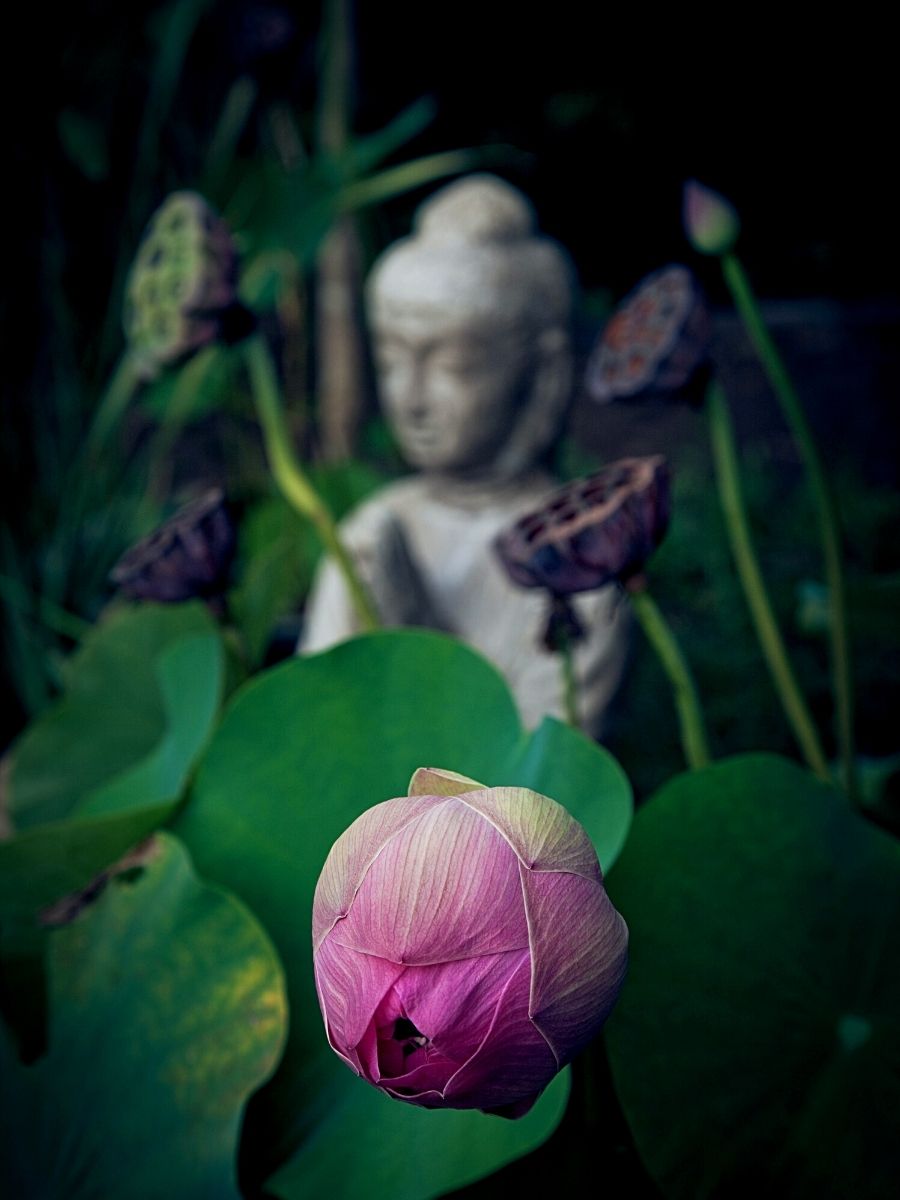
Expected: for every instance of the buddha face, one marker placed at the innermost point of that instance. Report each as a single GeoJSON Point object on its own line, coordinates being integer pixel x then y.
{"type": "Point", "coordinates": [452, 386]}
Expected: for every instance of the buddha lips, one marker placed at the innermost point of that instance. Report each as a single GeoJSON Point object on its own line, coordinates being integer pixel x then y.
{"type": "Point", "coordinates": [464, 946]}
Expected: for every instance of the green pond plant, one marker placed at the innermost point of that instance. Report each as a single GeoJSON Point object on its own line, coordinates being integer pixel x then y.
{"type": "Point", "coordinates": [595, 531]}
{"type": "Point", "coordinates": [308, 898]}
{"type": "Point", "coordinates": [712, 226]}
{"type": "Point", "coordinates": [657, 344]}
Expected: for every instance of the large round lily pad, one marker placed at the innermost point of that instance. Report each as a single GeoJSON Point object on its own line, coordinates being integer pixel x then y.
{"type": "Point", "coordinates": [108, 763]}
{"type": "Point", "coordinates": [121, 704]}
{"type": "Point", "coordinates": [756, 1044]}
{"type": "Point", "coordinates": [404, 1152]}
{"type": "Point", "coordinates": [167, 1009]}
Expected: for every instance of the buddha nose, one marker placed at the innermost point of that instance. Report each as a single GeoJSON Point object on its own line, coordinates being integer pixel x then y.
{"type": "Point", "coordinates": [414, 398]}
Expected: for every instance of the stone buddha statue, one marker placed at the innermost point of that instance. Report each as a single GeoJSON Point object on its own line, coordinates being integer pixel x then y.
{"type": "Point", "coordinates": [470, 321]}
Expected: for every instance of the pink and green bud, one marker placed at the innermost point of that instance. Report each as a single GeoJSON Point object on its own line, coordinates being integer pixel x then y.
{"type": "Point", "coordinates": [710, 221]}
{"type": "Point", "coordinates": [464, 945]}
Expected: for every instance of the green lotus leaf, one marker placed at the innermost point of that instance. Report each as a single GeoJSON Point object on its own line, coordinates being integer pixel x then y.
{"type": "Point", "coordinates": [756, 1043]}
{"type": "Point", "coordinates": [116, 710]}
{"type": "Point", "coordinates": [167, 1010]}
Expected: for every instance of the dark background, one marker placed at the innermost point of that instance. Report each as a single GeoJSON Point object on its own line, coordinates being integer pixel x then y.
{"type": "Point", "coordinates": [599, 115]}
{"type": "Point", "coordinates": [612, 113]}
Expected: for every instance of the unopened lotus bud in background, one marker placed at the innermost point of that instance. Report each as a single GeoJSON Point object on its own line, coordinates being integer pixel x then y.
{"type": "Point", "coordinates": [181, 293]}
{"type": "Point", "coordinates": [188, 557]}
{"type": "Point", "coordinates": [464, 945]}
{"type": "Point", "coordinates": [655, 343]}
{"type": "Point", "coordinates": [597, 530]}
{"type": "Point", "coordinates": [710, 221]}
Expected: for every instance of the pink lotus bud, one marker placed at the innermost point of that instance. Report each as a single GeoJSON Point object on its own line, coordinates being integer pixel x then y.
{"type": "Point", "coordinates": [710, 221]}
{"type": "Point", "coordinates": [464, 946]}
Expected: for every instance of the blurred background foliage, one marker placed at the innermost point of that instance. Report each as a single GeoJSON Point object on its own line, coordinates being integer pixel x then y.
{"type": "Point", "coordinates": [285, 124]}
{"type": "Point", "coordinates": [317, 144]}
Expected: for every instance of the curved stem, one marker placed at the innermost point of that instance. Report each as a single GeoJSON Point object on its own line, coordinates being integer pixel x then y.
{"type": "Point", "coordinates": [292, 479]}
{"type": "Point", "coordinates": [687, 703]}
{"type": "Point", "coordinates": [825, 504]}
{"type": "Point", "coordinates": [113, 405]}
{"type": "Point", "coordinates": [770, 640]}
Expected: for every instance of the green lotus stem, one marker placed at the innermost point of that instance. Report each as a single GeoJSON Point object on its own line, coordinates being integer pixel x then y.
{"type": "Point", "coordinates": [114, 404]}
{"type": "Point", "coordinates": [570, 686]}
{"type": "Point", "coordinates": [687, 703]}
{"type": "Point", "coordinates": [734, 509]}
{"type": "Point", "coordinates": [292, 479]}
{"type": "Point", "coordinates": [824, 500]}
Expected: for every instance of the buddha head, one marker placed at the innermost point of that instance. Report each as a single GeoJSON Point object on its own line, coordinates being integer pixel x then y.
{"type": "Point", "coordinates": [470, 320]}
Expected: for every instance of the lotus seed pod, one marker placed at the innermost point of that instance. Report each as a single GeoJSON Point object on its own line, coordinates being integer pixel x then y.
{"type": "Point", "coordinates": [182, 283]}
{"type": "Point", "coordinates": [594, 531]}
{"type": "Point", "coordinates": [187, 557]}
{"type": "Point", "coordinates": [464, 946]}
{"type": "Point", "coordinates": [655, 342]}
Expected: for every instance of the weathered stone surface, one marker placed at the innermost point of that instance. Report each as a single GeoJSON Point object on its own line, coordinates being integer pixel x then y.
{"type": "Point", "coordinates": [470, 318]}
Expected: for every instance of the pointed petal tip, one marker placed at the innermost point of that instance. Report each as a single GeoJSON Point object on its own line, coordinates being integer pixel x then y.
{"type": "Point", "coordinates": [436, 781]}
{"type": "Point", "coordinates": [711, 222]}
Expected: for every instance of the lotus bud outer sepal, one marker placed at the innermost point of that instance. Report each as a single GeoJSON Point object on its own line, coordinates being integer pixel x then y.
{"type": "Point", "coordinates": [464, 946]}
{"type": "Point", "coordinates": [710, 221]}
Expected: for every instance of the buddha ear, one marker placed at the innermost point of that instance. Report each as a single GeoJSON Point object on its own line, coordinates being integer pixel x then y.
{"type": "Point", "coordinates": [545, 405]}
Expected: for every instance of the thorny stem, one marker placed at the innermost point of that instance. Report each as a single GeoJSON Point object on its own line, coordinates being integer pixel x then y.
{"type": "Point", "coordinates": [292, 479]}
{"type": "Point", "coordinates": [825, 504]}
{"type": "Point", "coordinates": [734, 510]}
{"type": "Point", "coordinates": [660, 636]}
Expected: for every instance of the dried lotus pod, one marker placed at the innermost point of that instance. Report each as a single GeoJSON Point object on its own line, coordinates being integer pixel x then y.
{"type": "Point", "coordinates": [655, 342]}
{"type": "Point", "coordinates": [189, 556]}
{"type": "Point", "coordinates": [594, 531]}
{"type": "Point", "coordinates": [182, 285]}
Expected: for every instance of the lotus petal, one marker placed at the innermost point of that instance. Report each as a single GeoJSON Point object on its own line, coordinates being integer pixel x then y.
{"type": "Point", "coordinates": [543, 835]}
{"type": "Point", "coordinates": [352, 854]}
{"type": "Point", "coordinates": [442, 888]}
{"type": "Point", "coordinates": [579, 948]}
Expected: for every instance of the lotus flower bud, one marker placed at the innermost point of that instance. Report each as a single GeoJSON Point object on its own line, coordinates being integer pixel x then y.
{"type": "Point", "coordinates": [655, 342]}
{"type": "Point", "coordinates": [464, 946]}
{"type": "Point", "coordinates": [594, 531]}
{"type": "Point", "coordinates": [189, 556]}
{"type": "Point", "coordinates": [710, 221]}
{"type": "Point", "coordinates": [182, 285]}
